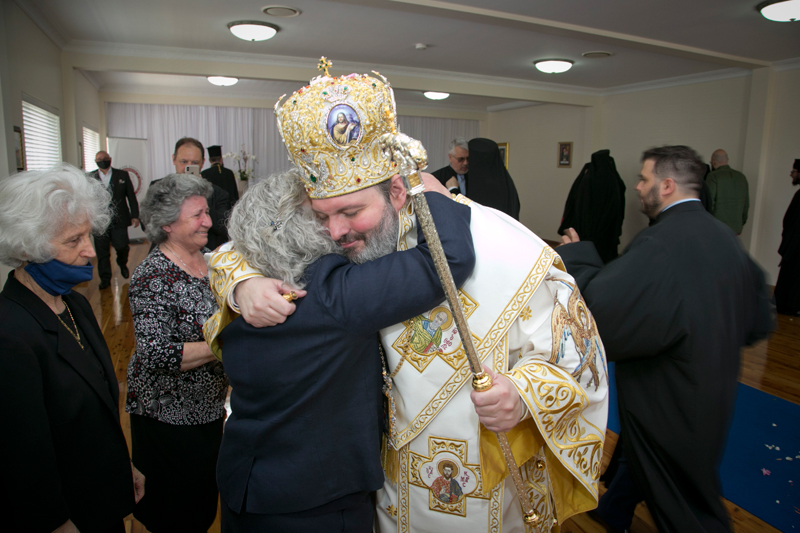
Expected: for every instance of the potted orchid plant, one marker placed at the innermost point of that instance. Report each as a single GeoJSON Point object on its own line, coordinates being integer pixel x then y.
{"type": "Point", "coordinates": [246, 163]}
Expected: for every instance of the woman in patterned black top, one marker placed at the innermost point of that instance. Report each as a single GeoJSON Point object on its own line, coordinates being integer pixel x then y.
{"type": "Point", "coordinates": [176, 388]}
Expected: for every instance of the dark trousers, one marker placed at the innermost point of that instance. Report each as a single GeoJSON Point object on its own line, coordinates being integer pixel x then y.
{"type": "Point", "coordinates": [618, 505]}
{"type": "Point", "coordinates": [179, 463]}
{"type": "Point", "coordinates": [356, 517]}
{"type": "Point", "coordinates": [118, 238]}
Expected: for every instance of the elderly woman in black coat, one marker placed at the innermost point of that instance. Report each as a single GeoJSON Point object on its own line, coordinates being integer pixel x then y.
{"type": "Point", "coordinates": [66, 461]}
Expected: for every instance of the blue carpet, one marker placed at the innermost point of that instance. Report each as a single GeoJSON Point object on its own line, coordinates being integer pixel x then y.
{"type": "Point", "coordinates": [765, 434]}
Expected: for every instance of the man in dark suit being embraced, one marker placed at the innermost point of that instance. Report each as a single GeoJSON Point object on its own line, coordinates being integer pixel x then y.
{"type": "Point", "coordinates": [125, 211]}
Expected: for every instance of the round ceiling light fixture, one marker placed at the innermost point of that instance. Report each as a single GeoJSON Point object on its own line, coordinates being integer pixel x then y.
{"type": "Point", "coordinates": [253, 30]}
{"type": "Point", "coordinates": [222, 81]}
{"type": "Point", "coordinates": [433, 95]}
{"type": "Point", "coordinates": [596, 54]}
{"type": "Point", "coordinates": [553, 66]}
{"type": "Point", "coordinates": [780, 10]}
{"type": "Point", "coordinates": [280, 11]}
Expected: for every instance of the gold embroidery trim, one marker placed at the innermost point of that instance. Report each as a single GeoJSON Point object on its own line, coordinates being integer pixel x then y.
{"type": "Point", "coordinates": [486, 346]}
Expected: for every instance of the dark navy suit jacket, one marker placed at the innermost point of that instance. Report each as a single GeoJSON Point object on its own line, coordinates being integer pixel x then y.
{"type": "Point", "coordinates": [306, 399]}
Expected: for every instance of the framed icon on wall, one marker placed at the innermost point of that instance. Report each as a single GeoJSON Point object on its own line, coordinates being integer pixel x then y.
{"type": "Point", "coordinates": [503, 152]}
{"type": "Point", "coordinates": [565, 155]}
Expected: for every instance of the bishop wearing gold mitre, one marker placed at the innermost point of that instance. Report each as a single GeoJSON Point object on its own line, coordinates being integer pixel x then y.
{"type": "Point", "coordinates": [528, 321]}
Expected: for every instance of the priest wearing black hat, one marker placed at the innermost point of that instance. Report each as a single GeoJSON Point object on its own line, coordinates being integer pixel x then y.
{"type": "Point", "coordinates": [787, 288]}
{"type": "Point", "coordinates": [219, 175]}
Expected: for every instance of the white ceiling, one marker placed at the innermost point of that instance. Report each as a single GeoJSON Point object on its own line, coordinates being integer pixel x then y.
{"type": "Point", "coordinates": [271, 90]}
{"type": "Point", "coordinates": [653, 41]}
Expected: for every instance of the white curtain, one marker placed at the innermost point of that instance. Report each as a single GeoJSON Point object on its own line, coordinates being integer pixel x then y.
{"type": "Point", "coordinates": [435, 134]}
{"type": "Point", "coordinates": [254, 129]}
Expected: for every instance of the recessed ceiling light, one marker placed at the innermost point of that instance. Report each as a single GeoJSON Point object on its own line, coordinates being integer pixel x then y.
{"type": "Point", "coordinates": [223, 81]}
{"type": "Point", "coordinates": [781, 10]}
{"type": "Point", "coordinates": [553, 66]}
{"type": "Point", "coordinates": [596, 55]}
{"type": "Point", "coordinates": [433, 95]}
{"type": "Point", "coordinates": [280, 11]}
{"type": "Point", "coordinates": [253, 30]}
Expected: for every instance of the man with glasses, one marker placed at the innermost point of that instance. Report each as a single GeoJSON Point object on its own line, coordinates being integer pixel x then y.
{"type": "Point", "coordinates": [457, 169]}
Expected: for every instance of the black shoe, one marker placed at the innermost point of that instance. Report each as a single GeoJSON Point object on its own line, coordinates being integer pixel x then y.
{"type": "Point", "coordinates": [124, 271]}
{"type": "Point", "coordinates": [105, 284]}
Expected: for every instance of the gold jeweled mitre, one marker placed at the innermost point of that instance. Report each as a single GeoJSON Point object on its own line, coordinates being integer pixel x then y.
{"type": "Point", "coordinates": [332, 129]}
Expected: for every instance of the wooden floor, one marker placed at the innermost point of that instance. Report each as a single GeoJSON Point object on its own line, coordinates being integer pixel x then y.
{"type": "Point", "coordinates": [771, 366]}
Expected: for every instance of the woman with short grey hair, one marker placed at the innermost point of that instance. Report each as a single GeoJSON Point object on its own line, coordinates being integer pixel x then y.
{"type": "Point", "coordinates": [282, 248]}
{"type": "Point", "coordinates": [70, 469]}
{"type": "Point", "coordinates": [163, 206]}
{"type": "Point", "coordinates": [37, 207]}
{"type": "Point", "coordinates": [301, 450]}
{"type": "Point", "coordinates": [176, 388]}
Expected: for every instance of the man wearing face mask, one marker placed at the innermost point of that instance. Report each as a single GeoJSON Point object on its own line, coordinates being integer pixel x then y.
{"type": "Point", "coordinates": [125, 211]}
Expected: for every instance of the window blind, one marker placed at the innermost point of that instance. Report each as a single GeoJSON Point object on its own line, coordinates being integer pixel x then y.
{"type": "Point", "coordinates": [91, 145]}
{"type": "Point", "coordinates": [42, 131]}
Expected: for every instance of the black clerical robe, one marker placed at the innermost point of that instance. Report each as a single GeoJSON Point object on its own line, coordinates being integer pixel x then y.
{"type": "Point", "coordinates": [787, 288]}
{"type": "Point", "coordinates": [595, 206]}
{"type": "Point", "coordinates": [224, 178]}
{"type": "Point", "coordinates": [673, 311]}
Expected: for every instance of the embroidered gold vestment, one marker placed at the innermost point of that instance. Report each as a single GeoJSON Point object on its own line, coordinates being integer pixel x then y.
{"type": "Point", "coordinates": [444, 471]}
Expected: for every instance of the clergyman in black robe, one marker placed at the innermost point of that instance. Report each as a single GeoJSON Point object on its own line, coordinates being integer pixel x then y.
{"type": "Point", "coordinates": [220, 176]}
{"type": "Point", "coordinates": [673, 312]}
{"type": "Point", "coordinates": [489, 182]}
{"type": "Point", "coordinates": [787, 288]}
{"type": "Point", "coordinates": [595, 205]}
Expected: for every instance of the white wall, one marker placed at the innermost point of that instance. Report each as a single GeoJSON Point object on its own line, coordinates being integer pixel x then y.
{"type": "Point", "coordinates": [704, 116]}
{"type": "Point", "coordinates": [34, 64]}
{"type": "Point", "coordinates": [87, 106]}
{"type": "Point", "coordinates": [533, 134]}
{"type": "Point", "coordinates": [784, 148]}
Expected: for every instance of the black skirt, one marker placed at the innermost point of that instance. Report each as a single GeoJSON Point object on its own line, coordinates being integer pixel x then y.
{"type": "Point", "coordinates": [179, 464]}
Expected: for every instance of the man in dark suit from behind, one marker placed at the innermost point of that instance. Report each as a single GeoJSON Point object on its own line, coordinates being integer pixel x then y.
{"type": "Point", "coordinates": [219, 175]}
{"type": "Point", "coordinates": [125, 211]}
{"type": "Point", "coordinates": [458, 167]}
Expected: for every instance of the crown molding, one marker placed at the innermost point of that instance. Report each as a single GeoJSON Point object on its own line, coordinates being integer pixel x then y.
{"type": "Point", "coordinates": [92, 78]}
{"type": "Point", "coordinates": [43, 22]}
{"type": "Point", "coordinates": [511, 105]}
{"type": "Point", "coordinates": [787, 64]}
{"type": "Point", "coordinates": [690, 79]}
{"type": "Point", "coordinates": [158, 52]}
{"type": "Point", "coordinates": [178, 91]}
{"type": "Point", "coordinates": [174, 53]}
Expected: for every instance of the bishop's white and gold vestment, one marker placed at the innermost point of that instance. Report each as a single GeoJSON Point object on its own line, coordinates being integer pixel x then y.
{"type": "Point", "coordinates": [444, 471]}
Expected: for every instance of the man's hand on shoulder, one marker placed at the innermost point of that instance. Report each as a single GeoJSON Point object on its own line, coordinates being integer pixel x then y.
{"type": "Point", "coordinates": [500, 408]}
{"type": "Point", "coordinates": [570, 236]}
{"type": "Point", "coordinates": [432, 184]}
{"type": "Point", "coordinates": [261, 302]}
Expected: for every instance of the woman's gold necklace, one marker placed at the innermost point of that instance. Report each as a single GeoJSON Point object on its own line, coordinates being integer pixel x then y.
{"type": "Point", "coordinates": [181, 260]}
{"type": "Point", "coordinates": [77, 334]}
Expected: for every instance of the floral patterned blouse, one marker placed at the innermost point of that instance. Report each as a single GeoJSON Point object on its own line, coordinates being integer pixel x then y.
{"type": "Point", "coordinates": [169, 308]}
